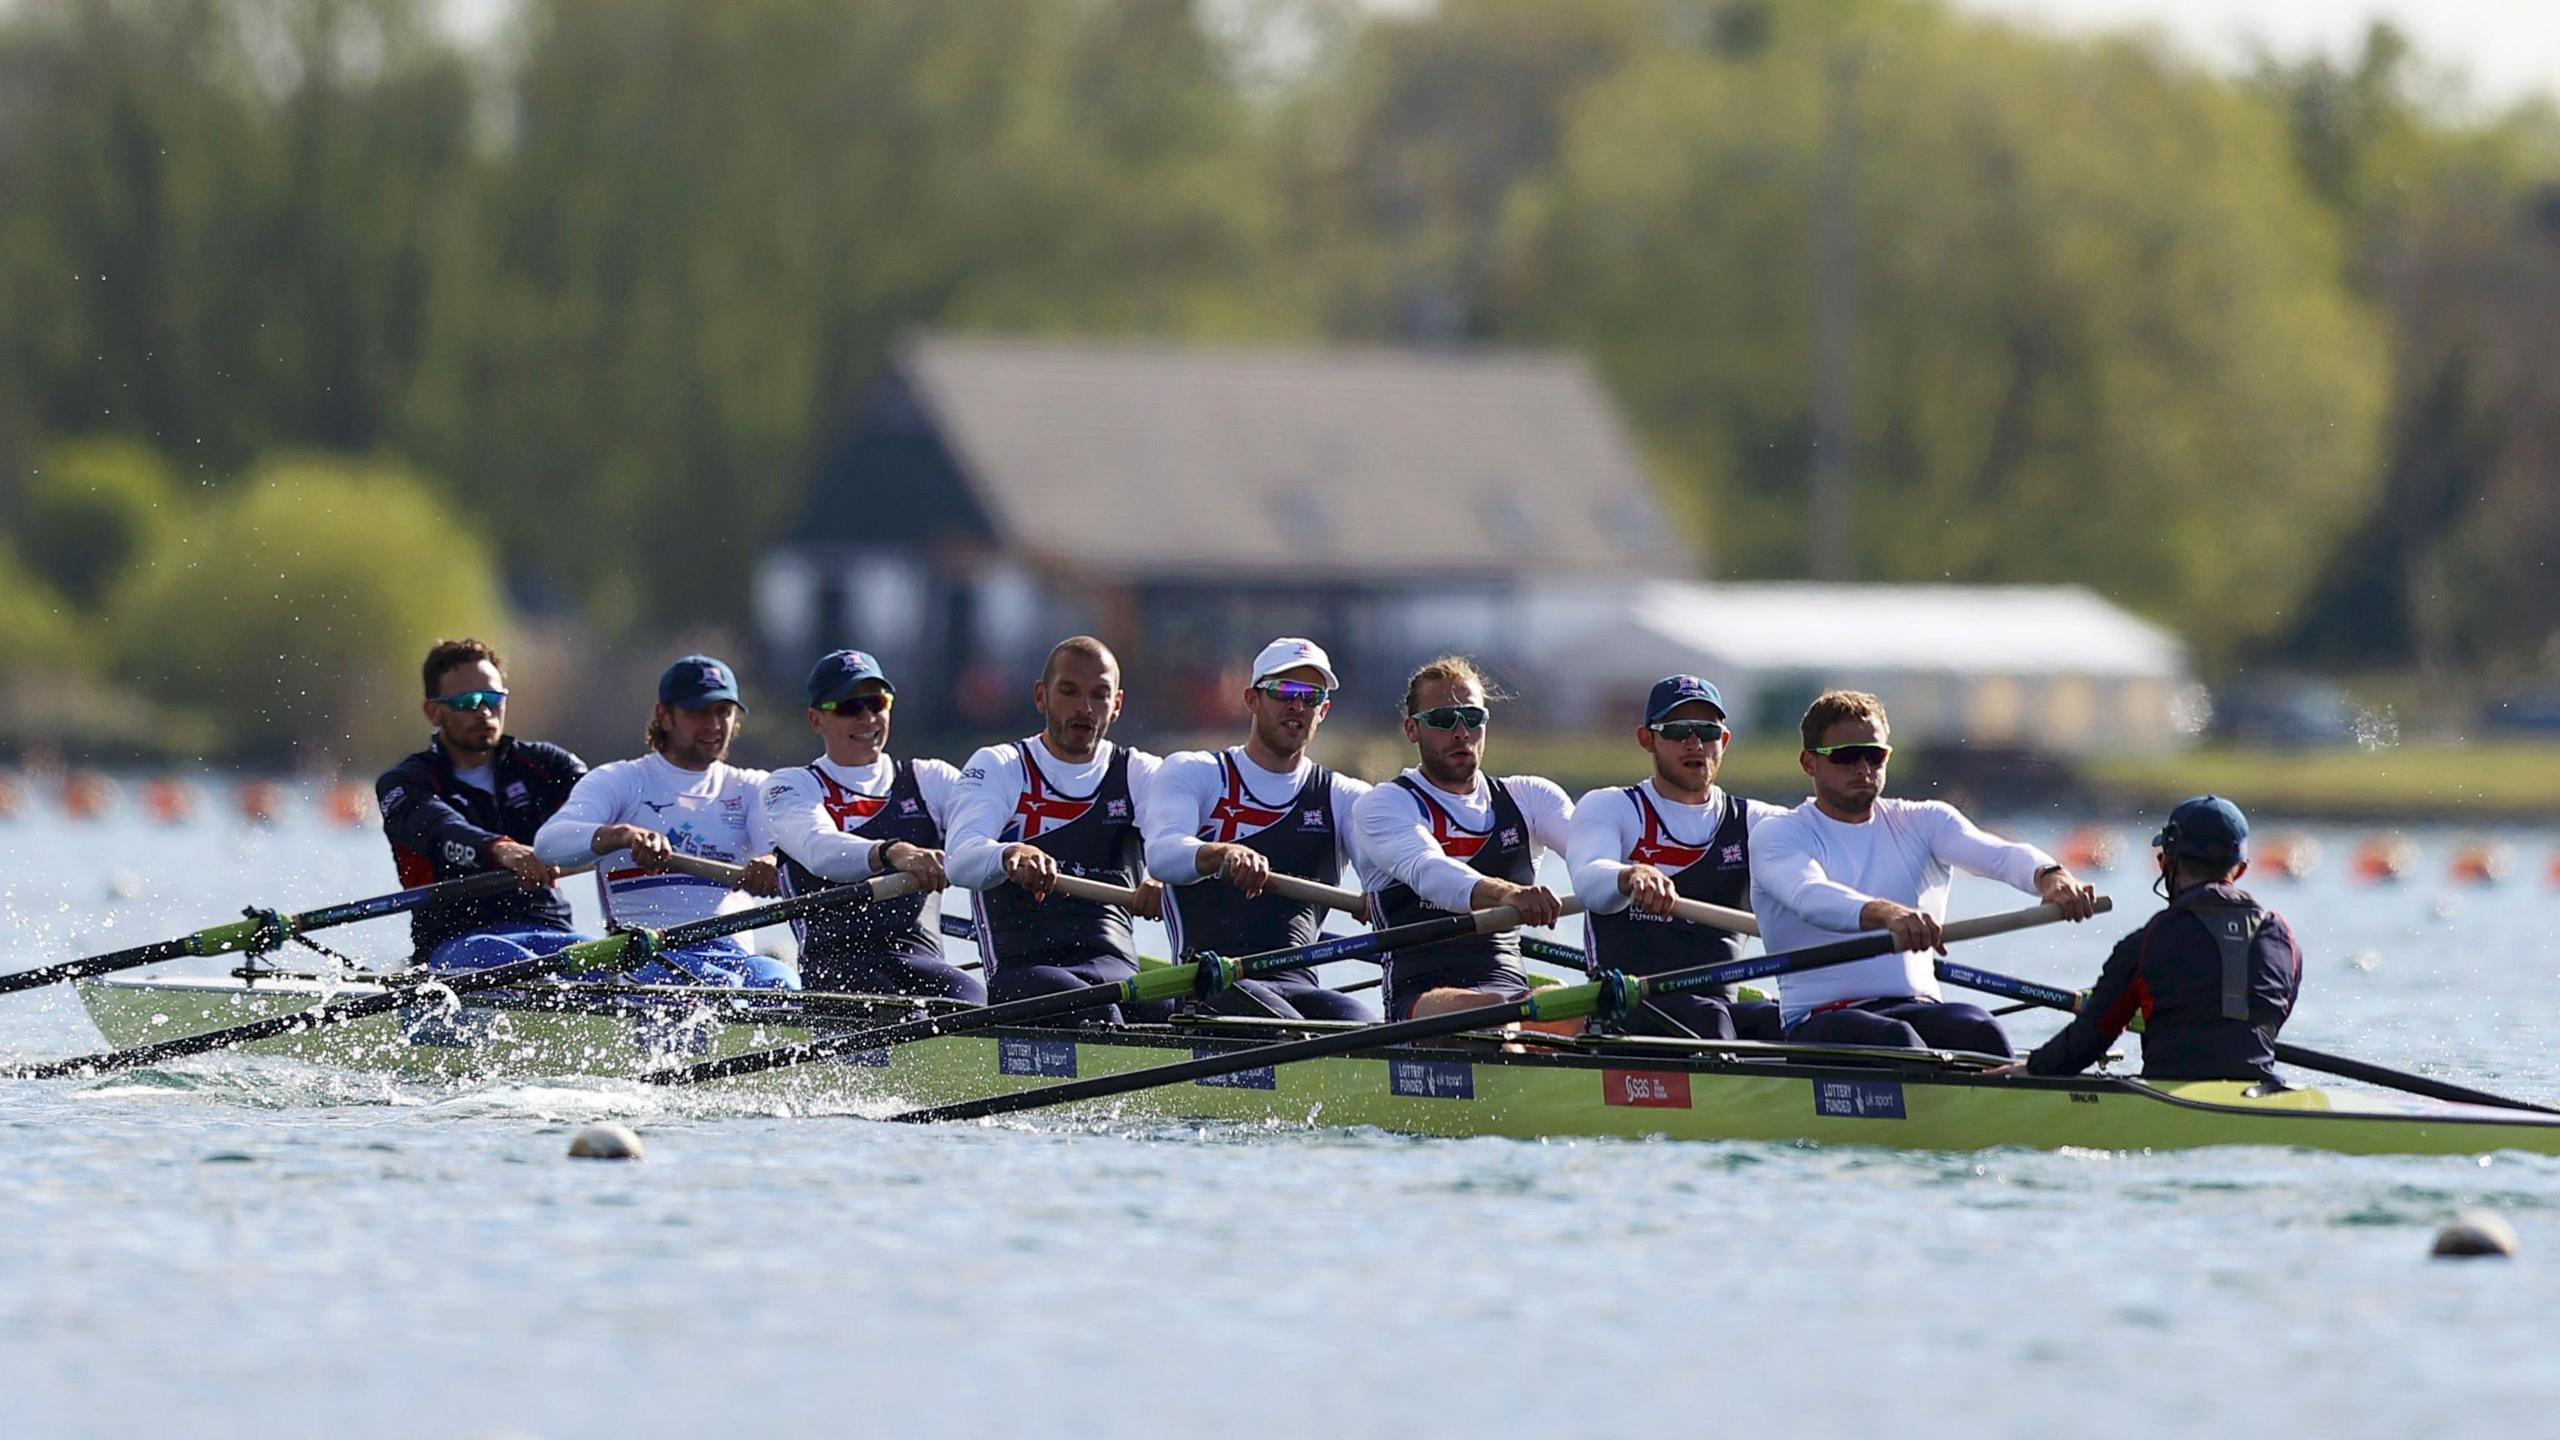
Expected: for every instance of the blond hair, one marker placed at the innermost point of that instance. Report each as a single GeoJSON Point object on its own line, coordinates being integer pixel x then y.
{"type": "Point", "coordinates": [1456, 670]}
{"type": "Point", "coordinates": [1833, 706]}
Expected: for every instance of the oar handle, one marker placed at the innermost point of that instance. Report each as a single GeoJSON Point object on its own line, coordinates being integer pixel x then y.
{"type": "Point", "coordinates": [1503, 917]}
{"type": "Point", "coordinates": [1721, 917]}
{"type": "Point", "coordinates": [1984, 926]}
{"type": "Point", "coordinates": [1332, 897]}
{"type": "Point", "coordinates": [1080, 888]}
{"type": "Point", "coordinates": [717, 871]}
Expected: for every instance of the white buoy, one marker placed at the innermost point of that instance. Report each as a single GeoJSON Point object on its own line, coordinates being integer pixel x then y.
{"type": "Point", "coordinates": [608, 1140]}
{"type": "Point", "coordinates": [2476, 1233]}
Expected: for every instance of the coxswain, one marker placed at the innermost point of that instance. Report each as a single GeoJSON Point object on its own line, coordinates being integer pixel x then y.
{"type": "Point", "coordinates": [1063, 801]}
{"type": "Point", "coordinates": [854, 813]}
{"type": "Point", "coordinates": [1444, 838]}
{"type": "Point", "coordinates": [2214, 975]}
{"type": "Point", "coordinates": [1219, 824]}
{"type": "Point", "coordinates": [1850, 860]}
{"type": "Point", "coordinates": [472, 802]}
{"type": "Point", "coordinates": [683, 797]}
{"type": "Point", "coordinates": [1677, 836]}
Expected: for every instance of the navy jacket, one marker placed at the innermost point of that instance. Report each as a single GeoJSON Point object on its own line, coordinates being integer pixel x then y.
{"type": "Point", "coordinates": [441, 829]}
{"type": "Point", "coordinates": [2170, 971]}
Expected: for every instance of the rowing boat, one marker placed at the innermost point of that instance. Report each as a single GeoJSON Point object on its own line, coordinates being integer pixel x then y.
{"type": "Point", "coordinates": [1563, 1087]}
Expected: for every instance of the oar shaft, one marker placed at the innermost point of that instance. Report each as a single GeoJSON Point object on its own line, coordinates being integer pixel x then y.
{"type": "Point", "coordinates": [2051, 997]}
{"type": "Point", "coordinates": [1563, 1002]}
{"type": "Point", "coordinates": [589, 954]}
{"type": "Point", "coordinates": [256, 929]}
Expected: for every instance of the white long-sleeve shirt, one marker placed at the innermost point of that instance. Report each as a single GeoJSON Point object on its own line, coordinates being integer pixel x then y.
{"type": "Point", "coordinates": [990, 787]}
{"type": "Point", "coordinates": [1178, 812]}
{"type": "Point", "coordinates": [795, 810]}
{"type": "Point", "coordinates": [1396, 842]}
{"type": "Point", "coordinates": [715, 814]}
{"type": "Point", "coordinates": [1811, 875]}
{"type": "Point", "coordinates": [1607, 824]}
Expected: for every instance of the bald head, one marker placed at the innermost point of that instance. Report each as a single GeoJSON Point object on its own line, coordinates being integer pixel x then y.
{"type": "Point", "coordinates": [1078, 697]}
{"type": "Point", "coordinates": [1084, 649]}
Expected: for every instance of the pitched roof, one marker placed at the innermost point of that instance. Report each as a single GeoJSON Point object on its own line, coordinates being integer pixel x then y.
{"type": "Point", "coordinates": [1154, 460]}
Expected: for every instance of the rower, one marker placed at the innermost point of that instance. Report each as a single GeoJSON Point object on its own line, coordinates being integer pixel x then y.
{"type": "Point", "coordinates": [854, 813]}
{"type": "Point", "coordinates": [1443, 837]}
{"type": "Point", "coordinates": [1850, 860]}
{"type": "Point", "coordinates": [2214, 975]}
{"type": "Point", "coordinates": [683, 797]}
{"type": "Point", "coordinates": [469, 803]}
{"type": "Point", "coordinates": [1063, 801]}
{"type": "Point", "coordinates": [1635, 849]}
{"type": "Point", "coordinates": [1248, 812]}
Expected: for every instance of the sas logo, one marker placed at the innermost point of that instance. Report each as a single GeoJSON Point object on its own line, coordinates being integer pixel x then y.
{"type": "Point", "coordinates": [1116, 810]}
{"type": "Point", "coordinates": [1731, 857]}
{"type": "Point", "coordinates": [1510, 836]}
{"type": "Point", "coordinates": [974, 772]}
{"type": "Point", "coordinates": [776, 794]}
{"type": "Point", "coordinates": [1311, 820]}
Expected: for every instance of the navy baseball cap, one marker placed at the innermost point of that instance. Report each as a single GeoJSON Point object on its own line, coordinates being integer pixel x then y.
{"type": "Point", "coordinates": [699, 680]}
{"type": "Point", "coordinates": [837, 674]}
{"type": "Point", "coordinates": [2207, 828]}
{"type": "Point", "coordinates": [1672, 692]}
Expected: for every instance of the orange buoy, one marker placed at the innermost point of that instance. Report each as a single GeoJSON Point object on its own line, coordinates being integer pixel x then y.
{"type": "Point", "coordinates": [350, 804]}
{"type": "Point", "coordinates": [86, 794]}
{"type": "Point", "coordinates": [168, 801]}
{"type": "Point", "coordinates": [2089, 849]}
{"type": "Point", "coordinates": [258, 801]}
{"type": "Point", "coordinates": [2284, 857]}
{"type": "Point", "coordinates": [2382, 859]}
{"type": "Point", "coordinates": [2555, 869]}
{"type": "Point", "coordinates": [8, 798]}
{"type": "Point", "coordinates": [2481, 862]}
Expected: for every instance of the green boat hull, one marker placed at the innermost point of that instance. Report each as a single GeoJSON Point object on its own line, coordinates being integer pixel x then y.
{"type": "Point", "coordinates": [1470, 1087]}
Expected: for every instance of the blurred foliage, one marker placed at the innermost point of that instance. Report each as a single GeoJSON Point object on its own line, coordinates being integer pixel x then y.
{"type": "Point", "coordinates": [48, 637]}
{"type": "Point", "coordinates": [2267, 358]}
{"type": "Point", "coordinates": [289, 611]}
{"type": "Point", "coordinates": [89, 511]}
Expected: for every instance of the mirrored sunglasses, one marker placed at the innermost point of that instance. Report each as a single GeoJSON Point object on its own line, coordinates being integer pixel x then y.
{"type": "Point", "coordinates": [1453, 717]}
{"type": "Point", "coordinates": [1294, 692]}
{"type": "Point", "coordinates": [474, 700]}
{"type": "Point", "coordinates": [1710, 731]}
{"type": "Point", "coordinates": [1858, 754]}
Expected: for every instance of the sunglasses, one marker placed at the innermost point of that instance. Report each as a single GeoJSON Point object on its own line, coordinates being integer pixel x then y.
{"type": "Point", "coordinates": [474, 700]}
{"type": "Point", "coordinates": [858, 705]}
{"type": "Point", "coordinates": [1294, 692]}
{"type": "Point", "coordinates": [1861, 753]}
{"type": "Point", "coordinates": [1453, 717]}
{"type": "Point", "coordinates": [1676, 731]}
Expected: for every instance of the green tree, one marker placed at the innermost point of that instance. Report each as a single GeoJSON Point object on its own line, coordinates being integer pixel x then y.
{"type": "Point", "coordinates": [289, 611]}
{"type": "Point", "coordinates": [2099, 330]}
{"type": "Point", "coordinates": [91, 509]}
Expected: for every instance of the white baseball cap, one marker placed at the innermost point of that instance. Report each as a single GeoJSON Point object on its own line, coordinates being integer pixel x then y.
{"type": "Point", "coordinates": [1288, 653]}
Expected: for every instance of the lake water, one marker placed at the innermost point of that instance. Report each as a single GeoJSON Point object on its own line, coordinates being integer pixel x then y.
{"type": "Point", "coordinates": [260, 1248]}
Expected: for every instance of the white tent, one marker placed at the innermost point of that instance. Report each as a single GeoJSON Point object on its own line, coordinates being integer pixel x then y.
{"type": "Point", "coordinates": [2052, 667]}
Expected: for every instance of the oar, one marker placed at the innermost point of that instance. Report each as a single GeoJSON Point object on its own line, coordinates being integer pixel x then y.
{"type": "Point", "coordinates": [611, 951]}
{"type": "Point", "coordinates": [263, 930]}
{"type": "Point", "coordinates": [1171, 982]}
{"type": "Point", "coordinates": [1612, 991]}
{"type": "Point", "coordinates": [2054, 998]}
{"type": "Point", "coordinates": [1332, 897]}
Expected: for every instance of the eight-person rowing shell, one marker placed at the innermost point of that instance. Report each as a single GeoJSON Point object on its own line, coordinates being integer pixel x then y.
{"type": "Point", "coordinates": [854, 813]}
{"type": "Point", "coordinates": [1219, 825]}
